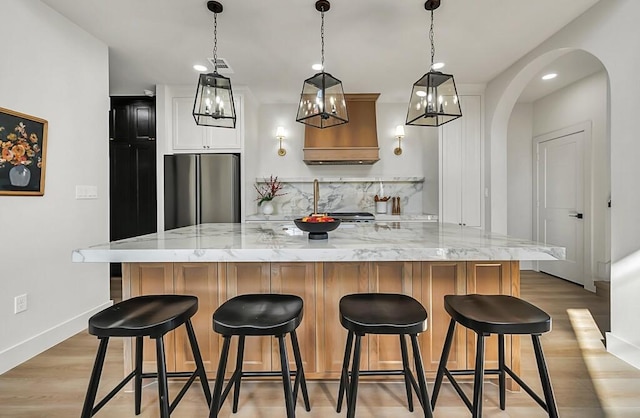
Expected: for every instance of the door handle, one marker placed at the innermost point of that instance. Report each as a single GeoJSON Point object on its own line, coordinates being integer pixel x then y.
{"type": "Point", "coordinates": [576, 215]}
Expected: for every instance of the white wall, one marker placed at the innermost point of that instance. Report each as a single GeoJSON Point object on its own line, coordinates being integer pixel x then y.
{"type": "Point", "coordinates": [585, 101]}
{"type": "Point", "coordinates": [610, 32]}
{"type": "Point", "coordinates": [520, 178]}
{"type": "Point", "coordinates": [53, 70]}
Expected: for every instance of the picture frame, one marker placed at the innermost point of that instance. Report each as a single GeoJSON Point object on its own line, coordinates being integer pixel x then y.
{"type": "Point", "coordinates": [23, 146]}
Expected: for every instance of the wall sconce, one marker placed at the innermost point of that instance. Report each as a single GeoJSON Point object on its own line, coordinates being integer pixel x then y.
{"type": "Point", "coordinates": [280, 136]}
{"type": "Point", "coordinates": [399, 135]}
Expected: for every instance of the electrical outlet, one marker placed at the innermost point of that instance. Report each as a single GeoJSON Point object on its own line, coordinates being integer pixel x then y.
{"type": "Point", "coordinates": [20, 303]}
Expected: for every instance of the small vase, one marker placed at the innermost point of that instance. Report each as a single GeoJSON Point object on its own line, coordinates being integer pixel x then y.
{"type": "Point", "coordinates": [267, 207]}
{"type": "Point", "coordinates": [19, 176]}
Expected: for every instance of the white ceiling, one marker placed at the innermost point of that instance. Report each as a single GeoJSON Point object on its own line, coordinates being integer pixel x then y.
{"type": "Point", "coordinates": [570, 68]}
{"type": "Point", "coordinates": [371, 45]}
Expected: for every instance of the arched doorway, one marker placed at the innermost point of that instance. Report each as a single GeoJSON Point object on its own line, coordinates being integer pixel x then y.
{"type": "Point", "coordinates": [527, 111]}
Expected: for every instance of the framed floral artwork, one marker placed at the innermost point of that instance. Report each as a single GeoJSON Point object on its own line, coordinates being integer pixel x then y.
{"type": "Point", "coordinates": [23, 144]}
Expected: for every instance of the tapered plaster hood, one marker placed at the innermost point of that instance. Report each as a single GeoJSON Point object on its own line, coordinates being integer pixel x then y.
{"type": "Point", "coordinates": [355, 142]}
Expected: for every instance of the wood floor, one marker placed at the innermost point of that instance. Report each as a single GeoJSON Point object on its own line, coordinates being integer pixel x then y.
{"type": "Point", "coordinates": [588, 381]}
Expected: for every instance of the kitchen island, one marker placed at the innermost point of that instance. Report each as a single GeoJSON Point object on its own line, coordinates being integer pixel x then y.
{"type": "Point", "coordinates": [426, 260]}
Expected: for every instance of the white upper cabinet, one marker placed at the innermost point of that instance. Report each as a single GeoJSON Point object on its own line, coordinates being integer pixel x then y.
{"type": "Point", "coordinates": [461, 167]}
{"type": "Point", "coordinates": [187, 136]}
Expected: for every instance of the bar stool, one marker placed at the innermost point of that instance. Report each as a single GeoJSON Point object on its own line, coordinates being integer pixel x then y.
{"type": "Point", "coordinates": [255, 315]}
{"type": "Point", "coordinates": [495, 314]}
{"type": "Point", "coordinates": [145, 316]}
{"type": "Point", "coordinates": [382, 313]}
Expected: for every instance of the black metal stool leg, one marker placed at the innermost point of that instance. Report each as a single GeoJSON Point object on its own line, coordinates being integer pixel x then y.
{"type": "Point", "coordinates": [217, 388]}
{"type": "Point", "coordinates": [443, 363]}
{"type": "Point", "coordinates": [355, 370]}
{"type": "Point", "coordinates": [197, 357]}
{"type": "Point", "coordinates": [552, 408]}
{"type": "Point", "coordinates": [286, 378]}
{"type": "Point", "coordinates": [237, 374]}
{"type": "Point", "coordinates": [163, 390]}
{"type": "Point", "coordinates": [501, 374]}
{"type": "Point", "coordinates": [407, 370]}
{"type": "Point", "coordinates": [344, 375]}
{"type": "Point", "coordinates": [422, 383]}
{"type": "Point", "coordinates": [138, 375]}
{"type": "Point", "coordinates": [300, 378]}
{"type": "Point", "coordinates": [478, 378]}
{"type": "Point", "coordinates": [94, 381]}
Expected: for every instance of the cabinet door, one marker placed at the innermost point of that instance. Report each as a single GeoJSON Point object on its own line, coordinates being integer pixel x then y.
{"type": "Point", "coordinates": [226, 138]}
{"type": "Point", "coordinates": [143, 120]}
{"type": "Point", "coordinates": [119, 126]}
{"type": "Point", "coordinates": [122, 219]}
{"type": "Point", "coordinates": [244, 278]}
{"type": "Point", "coordinates": [493, 278]}
{"type": "Point", "coordinates": [438, 279]}
{"type": "Point", "coordinates": [450, 171]}
{"type": "Point", "coordinates": [388, 277]}
{"type": "Point", "coordinates": [339, 279]}
{"type": "Point", "coordinates": [187, 135]}
{"type": "Point", "coordinates": [200, 280]}
{"type": "Point", "coordinates": [145, 187]}
{"type": "Point", "coordinates": [297, 279]}
{"type": "Point", "coordinates": [149, 279]}
{"type": "Point", "coordinates": [461, 166]}
{"type": "Point", "coordinates": [132, 189]}
{"type": "Point", "coordinates": [132, 119]}
{"type": "Point", "coordinates": [471, 175]}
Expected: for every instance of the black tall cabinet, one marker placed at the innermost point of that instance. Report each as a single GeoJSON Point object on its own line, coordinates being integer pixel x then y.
{"type": "Point", "coordinates": [132, 169]}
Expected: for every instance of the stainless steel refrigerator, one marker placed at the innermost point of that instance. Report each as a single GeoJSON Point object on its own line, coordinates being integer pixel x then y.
{"type": "Point", "coordinates": [201, 188]}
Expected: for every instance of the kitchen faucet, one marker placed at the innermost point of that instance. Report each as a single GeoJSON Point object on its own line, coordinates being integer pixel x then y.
{"type": "Point", "coordinates": [316, 195]}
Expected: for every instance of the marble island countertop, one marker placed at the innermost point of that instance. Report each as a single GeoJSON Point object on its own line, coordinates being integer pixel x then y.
{"type": "Point", "coordinates": [283, 242]}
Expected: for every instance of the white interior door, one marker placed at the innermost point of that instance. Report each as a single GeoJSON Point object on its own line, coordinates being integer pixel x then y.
{"type": "Point", "coordinates": [560, 202]}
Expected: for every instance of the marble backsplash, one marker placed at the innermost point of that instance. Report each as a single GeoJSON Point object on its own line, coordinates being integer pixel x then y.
{"type": "Point", "coordinates": [342, 194]}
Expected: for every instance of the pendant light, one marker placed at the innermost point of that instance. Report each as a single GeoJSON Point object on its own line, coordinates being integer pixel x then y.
{"type": "Point", "coordinates": [322, 103]}
{"type": "Point", "coordinates": [434, 99]}
{"type": "Point", "coordinates": [214, 98]}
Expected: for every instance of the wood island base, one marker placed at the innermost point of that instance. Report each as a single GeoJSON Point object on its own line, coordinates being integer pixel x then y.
{"type": "Point", "coordinates": [321, 285]}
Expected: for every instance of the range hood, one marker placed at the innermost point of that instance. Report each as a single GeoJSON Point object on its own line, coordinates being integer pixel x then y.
{"type": "Point", "coordinates": [355, 142]}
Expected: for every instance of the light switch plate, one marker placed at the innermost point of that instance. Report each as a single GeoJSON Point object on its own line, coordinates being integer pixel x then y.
{"type": "Point", "coordinates": [86, 192]}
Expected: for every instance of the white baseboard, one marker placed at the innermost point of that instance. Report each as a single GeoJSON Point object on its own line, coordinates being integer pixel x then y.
{"type": "Point", "coordinates": [623, 350]}
{"type": "Point", "coordinates": [31, 347]}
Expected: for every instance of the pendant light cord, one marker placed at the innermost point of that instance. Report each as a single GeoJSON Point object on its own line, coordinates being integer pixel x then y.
{"type": "Point", "coordinates": [215, 43]}
{"type": "Point", "coordinates": [322, 38]}
{"type": "Point", "coordinates": [433, 47]}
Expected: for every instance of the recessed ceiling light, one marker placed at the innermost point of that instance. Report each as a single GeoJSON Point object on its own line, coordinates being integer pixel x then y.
{"type": "Point", "coordinates": [316, 67]}
{"type": "Point", "coordinates": [199, 67]}
{"type": "Point", "coordinates": [437, 65]}
{"type": "Point", "coordinates": [549, 76]}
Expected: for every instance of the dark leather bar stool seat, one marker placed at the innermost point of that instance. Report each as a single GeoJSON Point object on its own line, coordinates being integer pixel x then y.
{"type": "Point", "coordinates": [145, 316]}
{"type": "Point", "coordinates": [255, 315]}
{"type": "Point", "coordinates": [495, 314]}
{"type": "Point", "coordinates": [382, 313]}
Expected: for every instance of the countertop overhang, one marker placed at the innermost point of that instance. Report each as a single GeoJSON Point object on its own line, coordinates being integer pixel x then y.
{"type": "Point", "coordinates": [283, 242]}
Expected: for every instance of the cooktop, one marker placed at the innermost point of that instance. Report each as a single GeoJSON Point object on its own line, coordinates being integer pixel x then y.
{"type": "Point", "coordinates": [353, 216]}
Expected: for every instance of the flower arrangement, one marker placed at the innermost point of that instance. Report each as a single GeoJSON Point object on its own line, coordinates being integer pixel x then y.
{"type": "Point", "coordinates": [268, 190]}
{"type": "Point", "coordinates": [19, 147]}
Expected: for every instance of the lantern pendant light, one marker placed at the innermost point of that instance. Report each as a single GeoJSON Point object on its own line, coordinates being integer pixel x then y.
{"type": "Point", "coordinates": [214, 98]}
{"type": "Point", "coordinates": [322, 103]}
{"type": "Point", "coordinates": [434, 99]}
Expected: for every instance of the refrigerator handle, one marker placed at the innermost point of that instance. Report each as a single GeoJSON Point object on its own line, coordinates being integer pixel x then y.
{"type": "Point", "coordinates": [198, 191]}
